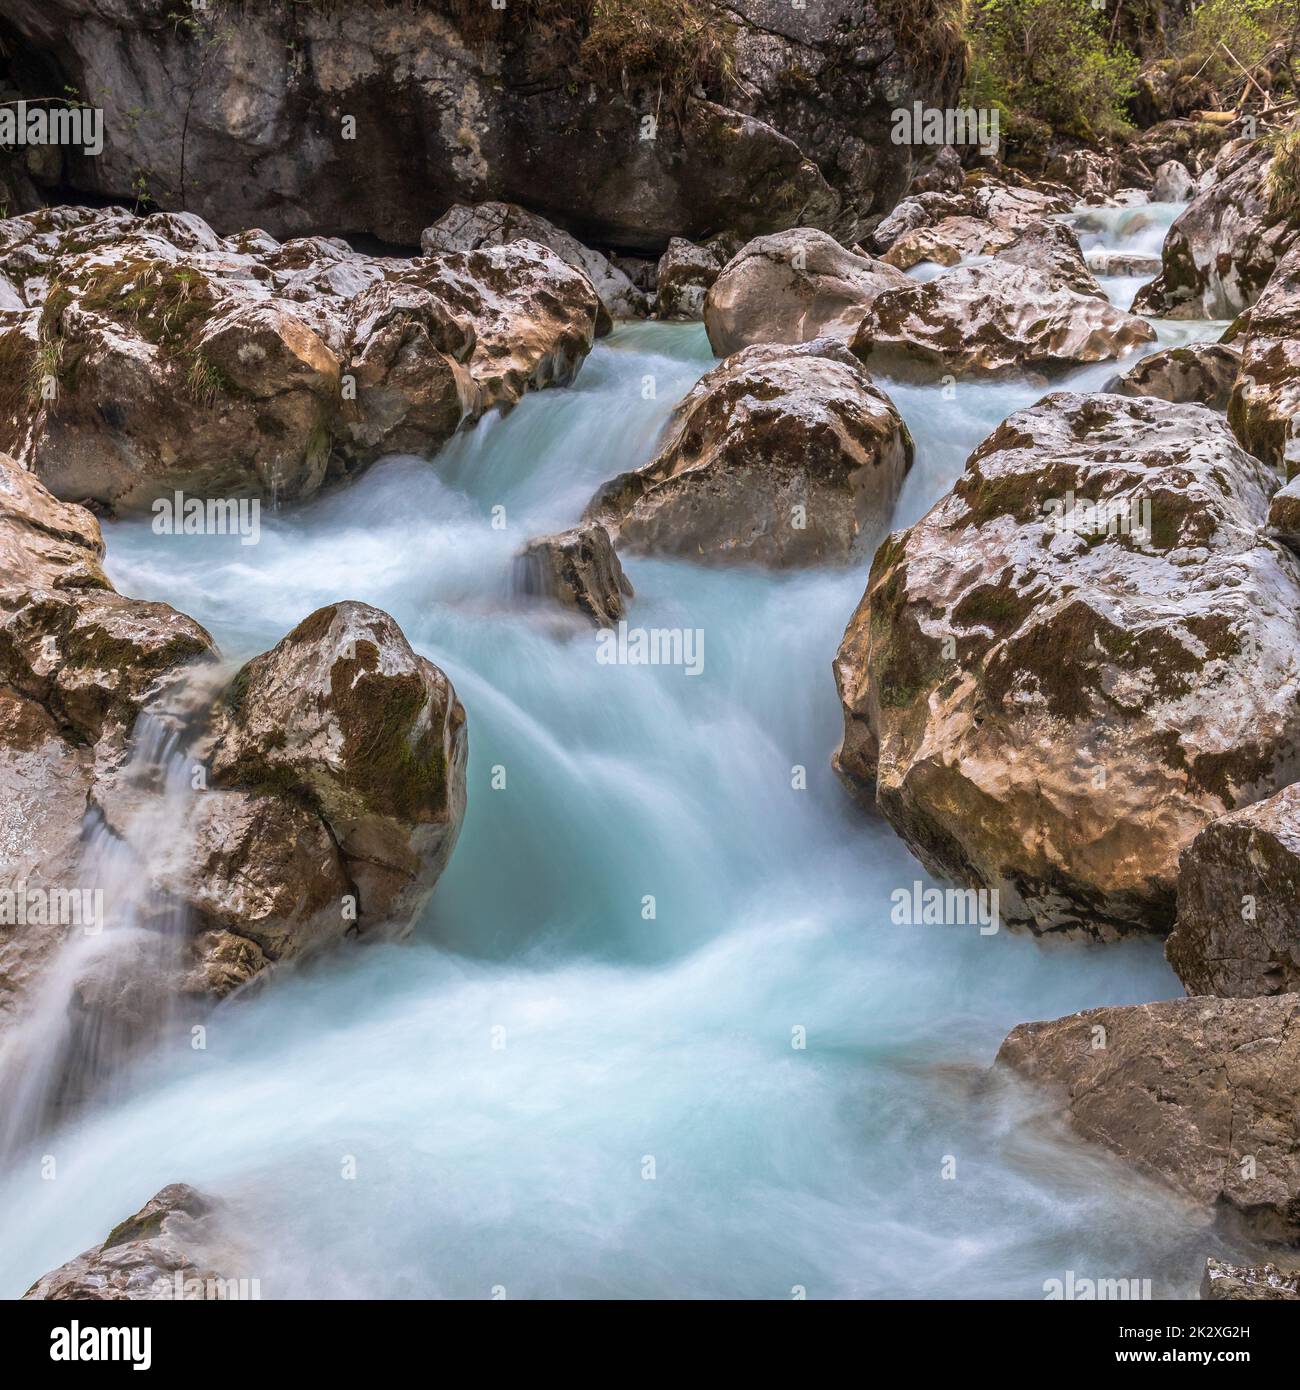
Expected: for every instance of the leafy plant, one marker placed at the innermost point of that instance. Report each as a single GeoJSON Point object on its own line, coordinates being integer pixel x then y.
{"type": "Point", "coordinates": [1050, 63]}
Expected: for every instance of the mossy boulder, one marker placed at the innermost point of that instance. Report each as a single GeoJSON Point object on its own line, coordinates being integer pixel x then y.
{"type": "Point", "coordinates": [1264, 409]}
{"type": "Point", "coordinates": [1077, 660]}
{"type": "Point", "coordinates": [343, 718]}
{"type": "Point", "coordinates": [782, 456]}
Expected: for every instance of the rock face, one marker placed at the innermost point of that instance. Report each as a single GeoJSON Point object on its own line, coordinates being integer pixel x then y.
{"type": "Point", "coordinates": [173, 1247]}
{"type": "Point", "coordinates": [1238, 931]}
{"type": "Point", "coordinates": [157, 356]}
{"type": "Point", "coordinates": [78, 664]}
{"type": "Point", "coordinates": [498, 224]}
{"type": "Point", "coordinates": [579, 568]}
{"type": "Point", "coordinates": [344, 720]}
{"type": "Point", "coordinates": [783, 455]}
{"type": "Point", "coordinates": [625, 124]}
{"type": "Point", "coordinates": [1220, 252]}
{"type": "Point", "coordinates": [1079, 658]}
{"type": "Point", "coordinates": [1201, 373]}
{"type": "Point", "coordinates": [1223, 1282]}
{"type": "Point", "coordinates": [686, 274]}
{"type": "Point", "coordinates": [792, 287]}
{"type": "Point", "coordinates": [998, 316]}
{"type": "Point", "coordinates": [1173, 183]}
{"type": "Point", "coordinates": [1265, 408]}
{"type": "Point", "coordinates": [1187, 1091]}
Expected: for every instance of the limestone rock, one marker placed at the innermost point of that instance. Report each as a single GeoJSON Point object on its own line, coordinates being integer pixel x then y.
{"type": "Point", "coordinates": [1238, 930]}
{"type": "Point", "coordinates": [1202, 373]}
{"type": "Point", "coordinates": [580, 569]}
{"type": "Point", "coordinates": [783, 455]}
{"type": "Point", "coordinates": [173, 1247]}
{"type": "Point", "coordinates": [1184, 1090]}
{"type": "Point", "coordinates": [1079, 658]}
{"type": "Point", "coordinates": [792, 287]}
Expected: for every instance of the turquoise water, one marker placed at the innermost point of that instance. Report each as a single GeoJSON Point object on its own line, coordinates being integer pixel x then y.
{"type": "Point", "coordinates": [547, 1092]}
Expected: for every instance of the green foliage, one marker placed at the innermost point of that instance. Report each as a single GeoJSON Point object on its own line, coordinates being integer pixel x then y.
{"type": "Point", "coordinates": [1048, 66]}
{"type": "Point", "coordinates": [1283, 178]}
{"type": "Point", "coordinates": [1219, 31]}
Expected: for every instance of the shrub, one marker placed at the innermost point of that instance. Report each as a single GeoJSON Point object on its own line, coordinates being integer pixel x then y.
{"type": "Point", "coordinates": [1048, 62]}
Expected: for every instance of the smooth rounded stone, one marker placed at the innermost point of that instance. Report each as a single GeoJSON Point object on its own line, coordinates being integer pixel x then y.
{"type": "Point", "coordinates": [948, 241]}
{"type": "Point", "coordinates": [781, 456]}
{"type": "Point", "coordinates": [1284, 515]}
{"type": "Point", "coordinates": [788, 122]}
{"type": "Point", "coordinates": [1186, 1091]}
{"type": "Point", "coordinates": [262, 881]}
{"type": "Point", "coordinates": [1266, 1283]}
{"type": "Point", "coordinates": [1173, 183]}
{"type": "Point", "coordinates": [1129, 264]}
{"type": "Point", "coordinates": [344, 717]}
{"type": "Point", "coordinates": [686, 273]}
{"type": "Point", "coordinates": [1202, 373]}
{"type": "Point", "coordinates": [994, 317]}
{"type": "Point", "coordinates": [1238, 927]}
{"type": "Point", "coordinates": [160, 357]}
{"type": "Point", "coordinates": [1222, 249]}
{"type": "Point", "coordinates": [1052, 248]}
{"type": "Point", "coordinates": [580, 569]}
{"type": "Point", "coordinates": [1265, 407]}
{"type": "Point", "coordinates": [1052, 700]}
{"type": "Point", "coordinates": [177, 1246]}
{"type": "Point", "coordinates": [792, 287]}
{"type": "Point", "coordinates": [469, 228]}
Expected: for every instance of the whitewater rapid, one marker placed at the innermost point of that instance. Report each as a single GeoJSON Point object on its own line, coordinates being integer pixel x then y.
{"type": "Point", "coordinates": [546, 1092]}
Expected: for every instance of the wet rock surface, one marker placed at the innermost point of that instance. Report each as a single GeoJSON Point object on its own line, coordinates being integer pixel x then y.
{"type": "Point", "coordinates": [1047, 701]}
{"type": "Point", "coordinates": [1185, 1091]}
{"type": "Point", "coordinates": [783, 455]}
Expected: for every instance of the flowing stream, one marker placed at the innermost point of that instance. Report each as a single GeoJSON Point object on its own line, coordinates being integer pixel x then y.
{"type": "Point", "coordinates": [548, 1092]}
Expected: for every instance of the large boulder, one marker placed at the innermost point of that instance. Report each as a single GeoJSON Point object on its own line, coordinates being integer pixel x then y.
{"type": "Point", "coordinates": [998, 316]}
{"type": "Point", "coordinates": [1265, 408]}
{"type": "Point", "coordinates": [342, 717]}
{"type": "Point", "coordinates": [1238, 930]}
{"type": "Point", "coordinates": [464, 228]}
{"type": "Point", "coordinates": [629, 124]}
{"type": "Point", "coordinates": [177, 1246]}
{"type": "Point", "coordinates": [1220, 252]}
{"type": "Point", "coordinates": [579, 569]}
{"type": "Point", "coordinates": [783, 455]}
{"type": "Point", "coordinates": [1079, 658]}
{"type": "Point", "coordinates": [792, 287]}
{"type": "Point", "coordinates": [1201, 1094]}
{"type": "Point", "coordinates": [155, 356]}
{"type": "Point", "coordinates": [1200, 373]}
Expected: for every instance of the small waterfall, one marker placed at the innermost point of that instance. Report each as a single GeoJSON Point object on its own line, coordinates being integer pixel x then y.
{"type": "Point", "coordinates": [113, 986]}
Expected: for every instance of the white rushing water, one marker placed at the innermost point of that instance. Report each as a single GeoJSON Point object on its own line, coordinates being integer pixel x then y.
{"type": "Point", "coordinates": [544, 1092]}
